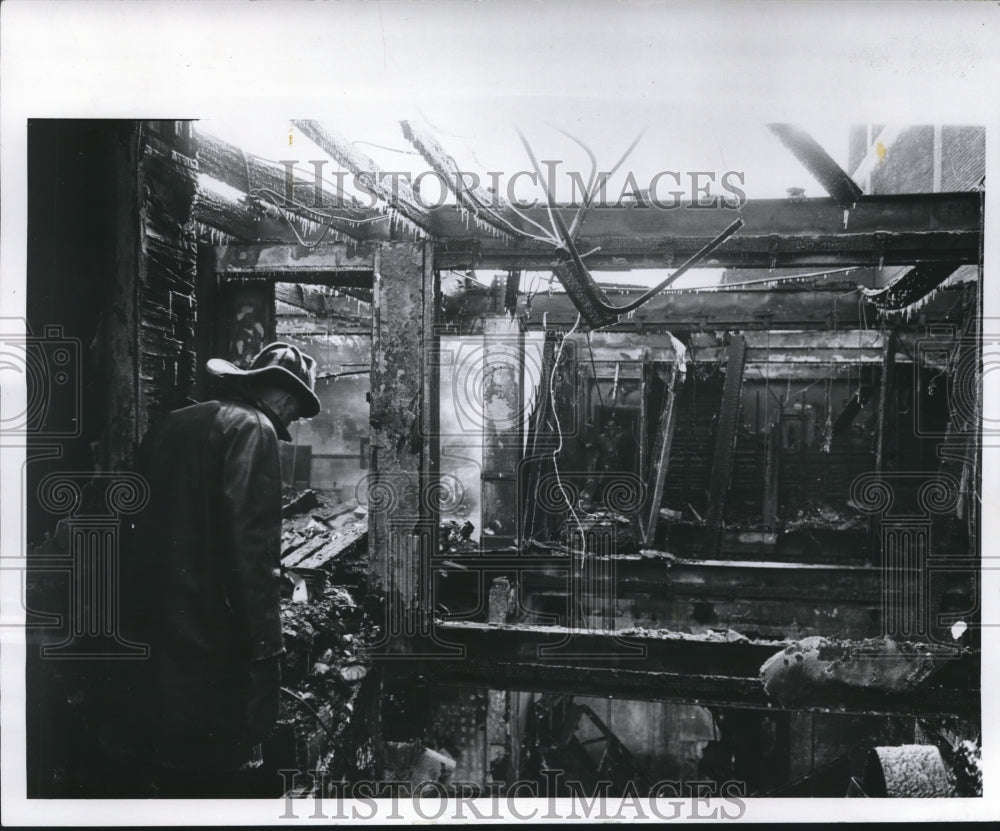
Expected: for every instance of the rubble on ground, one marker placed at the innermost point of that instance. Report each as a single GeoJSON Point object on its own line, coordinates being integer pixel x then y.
{"type": "Point", "coordinates": [457, 539]}
{"type": "Point", "coordinates": [319, 529]}
{"type": "Point", "coordinates": [323, 557]}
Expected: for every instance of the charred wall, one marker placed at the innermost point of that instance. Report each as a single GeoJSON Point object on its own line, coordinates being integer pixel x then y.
{"type": "Point", "coordinates": [111, 268]}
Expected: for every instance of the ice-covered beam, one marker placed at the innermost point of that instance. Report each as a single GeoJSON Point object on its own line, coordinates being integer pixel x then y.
{"type": "Point", "coordinates": [488, 209]}
{"type": "Point", "coordinates": [274, 184]}
{"type": "Point", "coordinates": [397, 194]}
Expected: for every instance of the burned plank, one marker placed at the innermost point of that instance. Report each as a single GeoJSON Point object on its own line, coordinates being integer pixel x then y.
{"type": "Point", "coordinates": [682, 312]}
{"type": "Point", "coordinates": [878, 230]}
{"type": "Point", "coordinates": [661, 452]}
{"type": "Point", "coordinates": [668, 666]}
{"type": "Point", "coordinates": [725, 440]}
{"type": "Point", "coordinates": [342, 543]}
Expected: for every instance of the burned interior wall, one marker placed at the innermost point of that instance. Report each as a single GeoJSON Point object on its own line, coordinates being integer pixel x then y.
{"type": "Point", "coordinates": [111, 318]}
{"type": "Point", "coordinates": [111, 266]}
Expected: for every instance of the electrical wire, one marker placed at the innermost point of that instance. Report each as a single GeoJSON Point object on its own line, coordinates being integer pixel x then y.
{"type": "Point", "coordinates": [593, 367]}
{"type": "Point", "coordinates": [390, 149]}
{"type": "Point", "coordinates": [555, 417]}
{"type": "Point", "coordinates": [273, 195]}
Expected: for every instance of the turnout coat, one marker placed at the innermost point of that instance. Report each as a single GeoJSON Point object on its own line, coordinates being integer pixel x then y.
{"type": "Point", "coordinates": [202, 588]}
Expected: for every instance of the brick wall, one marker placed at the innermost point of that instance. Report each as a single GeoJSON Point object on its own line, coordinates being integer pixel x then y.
{"type": "Point", "coordinates": [963, 157]}
{"type": "Point", "coordinates": [908, 166]}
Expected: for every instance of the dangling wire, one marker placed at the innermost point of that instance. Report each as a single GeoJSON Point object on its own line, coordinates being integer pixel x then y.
{"type": "Point", "coordinates": [555, 417]}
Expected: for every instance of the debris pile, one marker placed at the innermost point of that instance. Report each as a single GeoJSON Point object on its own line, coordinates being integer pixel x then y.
{"type": "Point", "coordinates": [882, 664]}
{"type": "Point", "coordinates": [828, 517]}
{"type": "Point", "coordinates": [603, 521]}
{"type": "Point", "coordinates": [323, 562]}
{"type": "Point", "coordinates": [323, 661]}
{"type": "Point", "coordinates": [320, 533]}
{"type": "Point", "coordinates": [457, 539]}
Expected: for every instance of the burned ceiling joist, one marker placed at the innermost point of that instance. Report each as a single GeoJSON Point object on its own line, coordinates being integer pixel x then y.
{"type": "Point", "coordinates": [487, 208]}
{"type": "Point", "coordinates": [348, 265]}
{"type": "Point", "coordinates": [819, 163]}
{"type": "Point", "coordinates": [273, 185]}
{"type": "Point", "coordinates": [879, 230]}
{"type": "Point", "coordinates": [399, 197]}
{"type": "Point", "coordinates": [757, 310]}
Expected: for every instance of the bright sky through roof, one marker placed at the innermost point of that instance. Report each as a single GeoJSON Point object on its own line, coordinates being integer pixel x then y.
{"type": "Point", "coordinates": [482, 138]}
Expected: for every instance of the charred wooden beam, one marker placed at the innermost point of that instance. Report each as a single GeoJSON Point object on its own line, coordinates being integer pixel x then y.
{"type": "Point", "coordinates": [350, 265]}
{"type": "Point", "coordinates": [235, 219]}
{"type": "Point", "coordinates": [878, 230]}
{"type": "Point", "coordinates": [398, 195]}
{"type": "Point", "coordinates": [665, 575]}
{"type": "Point", "coordinates": [819, 163]}
{"type": "Point", "coordinates": [682, 312]}
{"type": "Point", "coordinates": [725, 440]}
{"type": "Point", "coordinates": [274, 185]}
{"type": "Point", "coordinates": [670, 667]}
{"type": "Point", "coordinates": [957, 212]}
{"type": "Point", "coordinates": [251, 222]}
{"type": "Point", "coordinates": [911, 286]}
{"type": "Point", "coordinates": [661, 452]}
{"type": "Point", "coordinates": [322, 303]}
{"type": "Point", "coordinates": [487, 208]}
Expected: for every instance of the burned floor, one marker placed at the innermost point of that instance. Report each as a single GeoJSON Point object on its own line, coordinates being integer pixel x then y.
{"type": "Point", "coordinates": [549, 529]}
